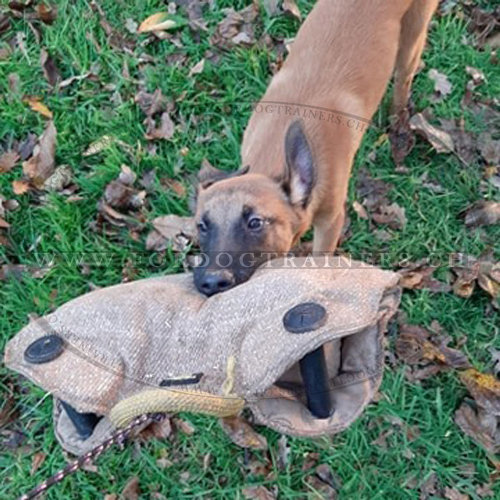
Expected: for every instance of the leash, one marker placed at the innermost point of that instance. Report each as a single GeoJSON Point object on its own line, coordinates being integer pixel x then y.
{"type": "Point", "coordinates": [116, 438]}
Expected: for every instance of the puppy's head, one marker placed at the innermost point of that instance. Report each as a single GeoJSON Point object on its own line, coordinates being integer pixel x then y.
{"type": "Point", "coordinates": [244, 218]}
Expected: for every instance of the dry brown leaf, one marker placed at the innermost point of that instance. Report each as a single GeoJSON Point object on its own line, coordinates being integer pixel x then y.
{"type": "Point", "coordinates": [157, 430]}
{"type": "Point", "coordinates": [290, 7]}
{"type": "Point", "coordinates": [237, 27]}
{"type": "Point", "coordinates": [26, 147]}
{"type": "Point", "coordinates": [393, 215]}
{"type": "Point", "coordinates": [185, 426]}
{"type": "Point", "coordinates": [49, 68]}
{"type": "Point", "coordinates": [20, 187]}
{"type": "Point", "coordinates": [418, 276]}
{"type": "Point", "coordinates": [416, 346]}
{"type": "Point", "coordinates": [8, 161]}
{"type": "Point", "coordinates": [482, 213]}
{"type": "Point", "coordinates": [46, 13]}
{"type": "Point", "coordinates": [151, 104]}
{"type": "Point", "coordinates": [440, 140]}
{"type": "Point", "coordinates": [454, 494]}
{"type": "Point", "coordinates": [42, 164]}
{"type": "Point", "coordinates": [242, 434]}
{"type": "Point", "coordinates": [489, 148]}
{"type": "Point", "coordinates": [360, 210]}
{"type": "Point", "coordinates": [157, 22]}
{"type": "Point", "coordinates": [164, 131]}
{"type": "Point", "coordinates": [484, 23]}
{"type": "Point", "coordinates": [442, 85]}
{"type": "Point", "coordinates": [36, 461]}
{"type": "Point", "coordinates": [173, 230]}
{"type": "Point", "coordinates": [258, 493]}
{"type": "Point", "coordinates": [480, 426]}
{"type": "Point", "coordinates": [100, 145]}
{"type": "Point", "coordinates": [484, 388]}
{"type": "Point", "coordinates": [176, 186]}
{"type": "Point", "coordinates": [39, 107]}
{"type": "Point", "coordinates": [131, 491]}
{"type": "Point", "coordinates": [61, 178]}
{"type": "Point", "coordinates": [197, 68]}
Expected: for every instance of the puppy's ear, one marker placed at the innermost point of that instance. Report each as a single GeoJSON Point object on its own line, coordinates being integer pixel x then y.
{"type": "Point", "coordinates": [300, 172]}
{"type": "Point", "coordinates": [209, 175]}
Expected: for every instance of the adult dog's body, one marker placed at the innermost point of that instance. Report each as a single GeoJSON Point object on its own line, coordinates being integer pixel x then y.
{"type": "Point", "coordinates": [334, 79]}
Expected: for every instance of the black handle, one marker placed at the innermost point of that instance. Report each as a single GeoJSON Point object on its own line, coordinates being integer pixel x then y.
{"type": "Point", "coordinates": [315, 377]}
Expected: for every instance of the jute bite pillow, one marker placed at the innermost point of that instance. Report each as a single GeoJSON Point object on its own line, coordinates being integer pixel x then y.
{"type": "Point", "coordinates": [158, 345]}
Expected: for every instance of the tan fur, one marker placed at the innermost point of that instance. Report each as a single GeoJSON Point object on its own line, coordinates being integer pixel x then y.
{"type": "Point", "coordinates": [334, 79]}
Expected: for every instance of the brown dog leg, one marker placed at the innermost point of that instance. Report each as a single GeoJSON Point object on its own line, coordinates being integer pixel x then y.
{"type": "Point", "coordinates": [411, 44]}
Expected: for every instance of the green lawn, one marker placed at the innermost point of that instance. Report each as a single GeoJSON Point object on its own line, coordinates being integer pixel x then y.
{"type": "Point", "coordinates": [215, 105]}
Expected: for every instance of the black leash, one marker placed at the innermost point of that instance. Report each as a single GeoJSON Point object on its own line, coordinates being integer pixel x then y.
{"type": "Point", "coordinates": [116, 438]}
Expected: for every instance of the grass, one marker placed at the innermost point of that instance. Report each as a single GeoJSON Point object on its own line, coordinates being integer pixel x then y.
{"type": "Point", "coordinates": [216, 102]}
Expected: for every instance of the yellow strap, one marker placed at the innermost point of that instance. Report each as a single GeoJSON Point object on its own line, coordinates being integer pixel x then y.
{"type": "Point", "coordinates": [172, 401]}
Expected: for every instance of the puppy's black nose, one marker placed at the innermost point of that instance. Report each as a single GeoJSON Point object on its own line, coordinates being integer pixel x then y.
{"type": "Point", "coordinates": [215, 282]}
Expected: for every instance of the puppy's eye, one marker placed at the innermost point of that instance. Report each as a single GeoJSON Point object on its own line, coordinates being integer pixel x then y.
{"type": "Point", "coordinates": [255, 223]}
{"type": "Point", "coordinates": [202, 226]}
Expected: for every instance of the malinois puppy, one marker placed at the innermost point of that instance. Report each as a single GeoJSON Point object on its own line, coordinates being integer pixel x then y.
{"type": "Point", "coordinates": [300, 142]}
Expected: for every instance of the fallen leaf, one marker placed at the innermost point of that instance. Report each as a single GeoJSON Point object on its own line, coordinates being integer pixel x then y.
{"type": "Point", "coordinates": [479, 426]}
{"type": "Point", "coordinates": [489, 148]}
{"type": "Point", "coordinates": [37, 106]}
{"type": "Point", "coordinates": [42, 164]}
{"type": "Point", "coordinates": [177, 187]}
{"type": "Point", "coordinates": [416, 346]}
{"type": "Point", "coordinates": [197, 68]}
{"type": "Point", "coordinates": [4, 23]}
{"type": "Point", "coordinates": [14, 82]}
{"type": "Point", "coordinates": [36, 461]}
{"type": "Point", "coordinates": [484, 388]}
{"type": "Point", "coordinates": [418, 276]}
{"type": "Point", "coordinates": [393, 215]}
{"type": "Point", "coordinates": [158, 22]}
{"type": "Point", "coordinates": [442, 85]}
{"type": "Point", "coordinates": [179, 232]}
{"type": "Point", "coordinates": [20, 187]}
{"type": "Point", "coordinates": [290, 7]}
{"type": "Point", "coordinates": [8, 161]}
{"type": "Point", "coordinates": [237, 27]}
{"type": "Point", "coordinates": [164, 131]}
{"type": "Point", "coordinates": [16, 271]}
{"type": "Point", "coordinates": [482, 213]}
{"type": "Point", "coordinates": [185, 426]}
{"type": "Point", "coordinates": [258, 493]}
{"type": "Point", "coordinates": [8, 411]}
{"type": "Point", "coordinates": [100, 145]}
{"type": "Point", "coordinates": [46, 13]}
{"type": "Point", "coordinates": [360, 210]}
{"type": "Point", "coordinates": [131, 26]}
{"type": "Point", "coordinates": [26, 147]}
{"type": "Point", "coordinates": [325, 473]}
{"type": "Point", "coordinates": [271, 7]}
{"type": "Point", "coordinates": [61, 178]}
{"type": "Point", "coordinates": [483, 23]}
{"type": "Point", "coordinates": [157, 430]}
{"type": "Point", "coordinates": [151, 104]}
{"type": "Point", "coordinates": [441, 141]}
{"type": "Point", "coordinates": [477, 77]}
{"type": "Point", "coordinates": [242, 434]}
{"type": "Point", "coordinates": [76, 78]}
{"type": "Point", "coordinates": [464, 142]}
{"type": "Point", "coordinates": [131, 491]}
{"type": "Point", "coordinates": [454, 494]}
{"type": "Point", "coordinates": [49, 68]}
